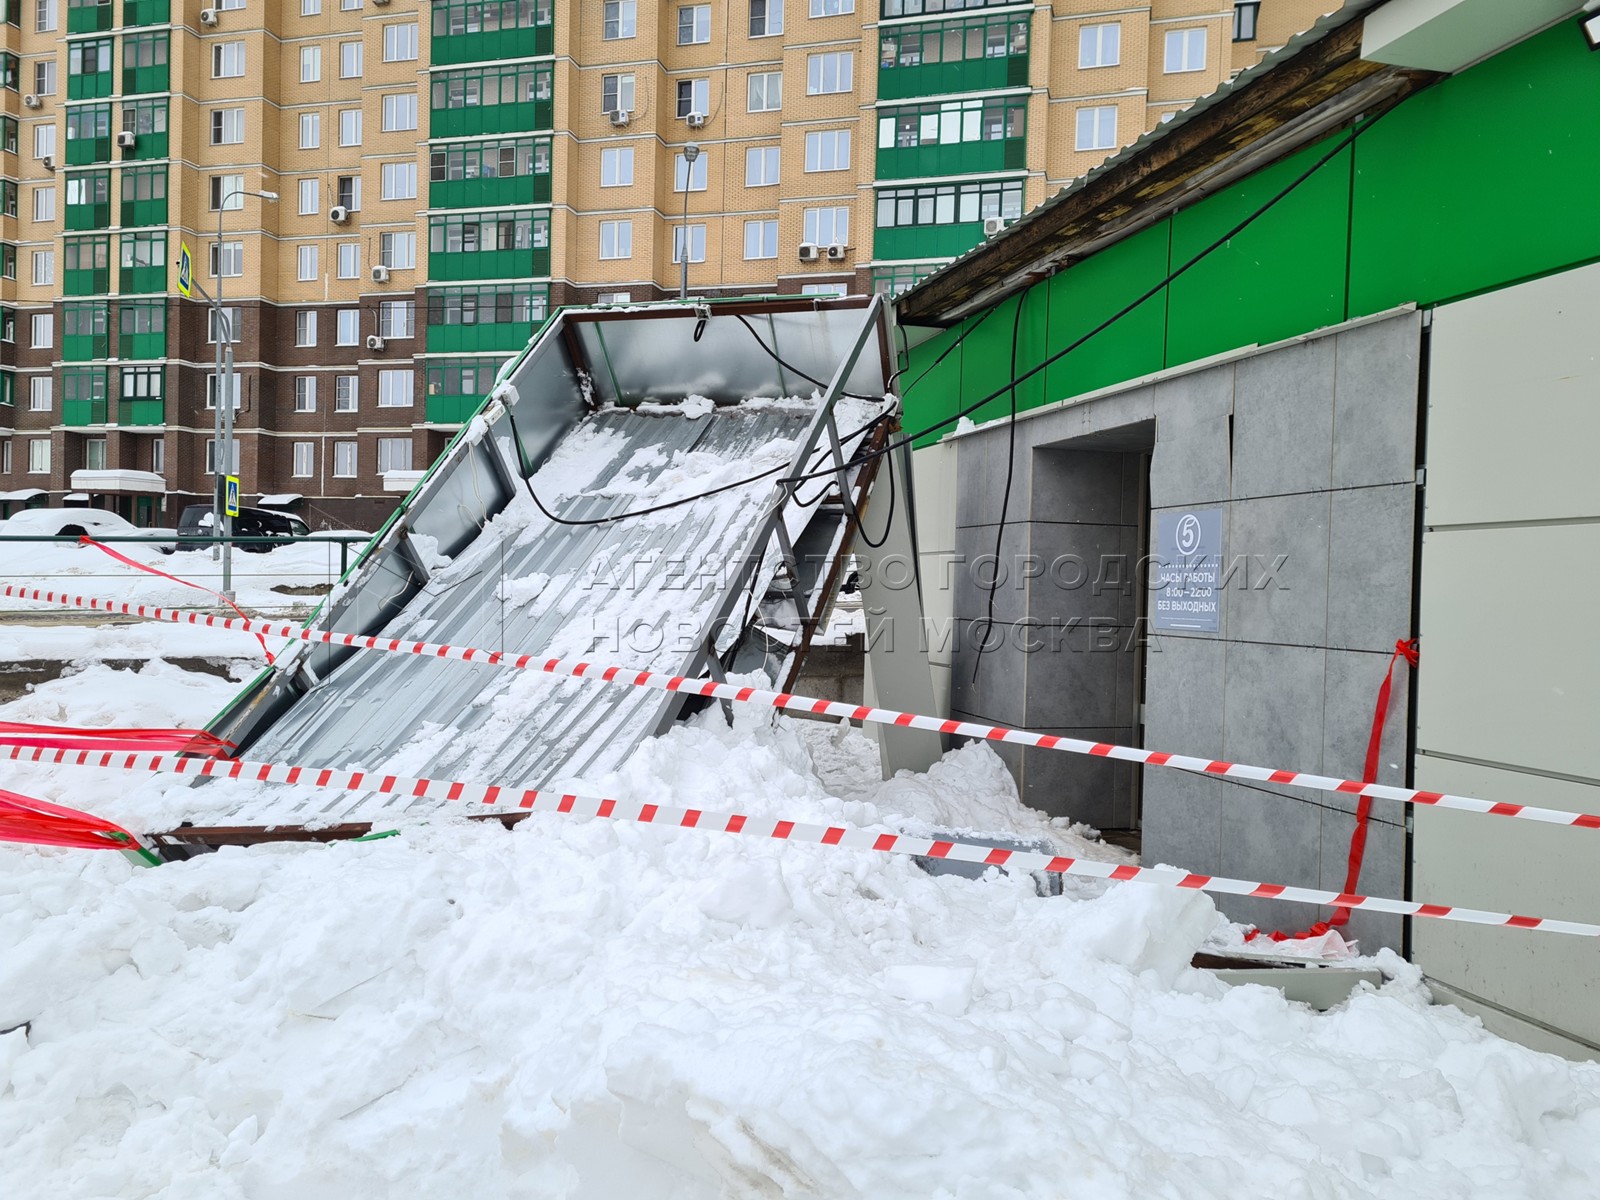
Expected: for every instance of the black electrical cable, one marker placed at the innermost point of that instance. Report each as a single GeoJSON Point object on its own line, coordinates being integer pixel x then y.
{"type": "Point", "coordinates": [888, 522]}
{"type": "Point", "coordinates": [790, 367]}
{"type": "Point", "coordinates": [908, 439]}
{"type": "Point", "coordinates": [1005, 496]}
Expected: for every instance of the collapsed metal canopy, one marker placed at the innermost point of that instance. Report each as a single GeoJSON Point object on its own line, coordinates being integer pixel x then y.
{"type": "Point", "coordinates": [605, 418]}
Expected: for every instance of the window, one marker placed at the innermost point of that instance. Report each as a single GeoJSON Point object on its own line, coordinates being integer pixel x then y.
{"type": "Point", "coordinates": [227, 191]}
{"type": "Point", "coordinates": [400, 112]}
{"type": "Point", "coordinates": [761, 239]}
{"type": "Point", "coordinates": [310, 8]}
{"type": "Point", "coordinates": [349, 5]}
{"type": "Point", "coordinates": [231, 5]}
{"type": "Point", "coordinates": [308, 263]}
{"type": "Point", "coordinates": [398, 181]}
{"type": "Point", "coordinates": [211, 445]}
{"type": "Point", "coordinates": [227, 60]}
{"type": "Point", "coordinates": [950, 122]}
{"type": "Point", "coordinates": [348, 327]}
{"type": "Point", "coordinates": [347, 192]}
{"type": "Point", "coordinates": [227, 126]}
{"type": "Point", "coordinates": [694, 24]}
{"type": "Point", "coordinates": [310, 197]}
{"type": "Point", "coordinates": [44, 140]}
{"type": "Point", "coordinates": [765, 91]}
{"type": "Point", "coordinates": [766, 18]}
{"type": "Point", "coordinates": [349, 60]}
{"type": "Point", "coordinates": [488, 304]}
{"type": "Point", "coordinates": [761, 166]}
{"type": "Point", "coordinates": [949, 203]}
{"type": "Point", "coordinates": [695, 173]}
{"type": "Point", "coordinates": [310, 130]}
{"type": "Point", "coordinates": [1097, 128]}
{"type": "Point", "coordinates": [94, 454]}
{"type": "Point", "coordinates": [310, 64]}
{"type": "Point", "coordinates": [694, 96]}
{"type": "Point", "coordinates": [350, 127]}
{"type": "Point", "coordinates": [400, 42]}
{"type": "Point", "coordinates": [616, 239]}
{"type": "Point", "coordinates": [305, 327]}
{"type": "Point", "coordinates": [828, 150]}
{"type": "Point", "coordinates": [827, 226]}
{"type": "Point", "coordinates": [158, 455]}
{"type": "Point", "coordinates": [44, 77]}
{"type": "Point", "coordinates": [397, 318]}
{"type": "Point", "coordinates": [1186, 51]}
{"type": "Point", "coordinates": [394, 389]}
{"type": "Point", "coordinates": [44, 266]}
{"type": "Point", "coordinates": [621, 19]}
{"type": "Point", "coordinates": [1245, 16]}
{"type": "Point", "coordinates": [616, 93]}
{"type": "Point", "coordinates": [834, 8]}
{"type": "Point", "coordinates": [227, 260]}
{"type": "Point", "coordinates": [350, 260]}
{"type": "Point", "coordinates": [44, 331]}
{"type": "Point", "coordinates": [827, 73]}
{"type": "Point", "coordinates": [398, 251]}
{"type": "Point", "coordinates": [5, 454]}
{"type": "Point", "coordinates": [233, 317]}
{"type": "Point", "coordinates": [305, 393]}
{"type": "Point", "coordinates": [614, 298]}
{"type": "Point", "coordinates": [344, 460]}
{"type": "Point", "coordinates": [616, 166]}
{"type": "Point", "coordinates": [394, 454]}
{"type": "Point", "coordinates": [39, 456]}
{"type": "Point", "coordinates": [1100, 45]}
{"type": "Point", "coordinates": [697, 243]}
{"type": "Point", "coordinates": [41, 394]}
{"type": "Point", "coordinates": [305, 460]}
{"type": "Point", "coordinates": [344, 393]}
{"type": "Point", "coordinates": [44, 204]}
{"type": "Point", "coordinates": [44, 16]}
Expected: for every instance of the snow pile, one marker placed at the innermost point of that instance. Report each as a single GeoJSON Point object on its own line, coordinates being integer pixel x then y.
{"type": "Point", "coordinates": [596, 1010]}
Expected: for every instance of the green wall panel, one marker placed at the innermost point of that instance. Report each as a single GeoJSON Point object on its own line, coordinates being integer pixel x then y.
{"type": "Point", "coordinates": [1283, 275]}
{"type": "Point", "coordinates": [1134, 345]}
{"type": "Point", "coordinates": [932, 393]}
{"type": "Point", "coordinates": [1485, 178]}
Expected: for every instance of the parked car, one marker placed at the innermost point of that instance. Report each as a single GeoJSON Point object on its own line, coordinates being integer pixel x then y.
{"type": "Point", "coordinates": [75, 522]}
{"type": "Point", "coordinates": [196, 522]}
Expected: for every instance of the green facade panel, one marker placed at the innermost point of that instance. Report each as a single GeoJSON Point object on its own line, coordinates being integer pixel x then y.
{"type": "Point", "coordinates": [77, 413]}
{"type": "Point", "coordinates": [941, 79]}
{"type": "Point", "coordinates": [959, 158]}
{"type": "Point", "coordinates": [142, 345]}
{"type": "Point", "coordinates": [141, 412]}
{"type": "Point", "coordinates": [477, 339]}
{"type": "Point", "coordinates": [924, 241]}
{"type": "Point", "coordinates": [146, 12]}
{"type": "Point", "coordinates": [452, 410]}
{"type": "Point", "coordinates": [1283, 275]}
{"type": "Point", "coordinates": [88, 18]}
{"type": "Point", "coordinates": [493, 118]}
{"type": "Point", "coordinates": [489, 264]}
{"type": "Point", "coordinates": [490, 193]}
{"type": "Point", "coordinates": [1480, 160]}
{"type": "Point", "coordinates": [496, 46]}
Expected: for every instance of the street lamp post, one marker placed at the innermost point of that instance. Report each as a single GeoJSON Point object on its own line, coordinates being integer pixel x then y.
{"type": "Point", "coordinates": [690, 153]}
{"type": "Point", "coordinates": [222, 394]}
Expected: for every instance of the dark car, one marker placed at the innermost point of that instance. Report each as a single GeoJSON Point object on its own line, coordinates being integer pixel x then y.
{"type": "Point", "coordinates": [250, 523]}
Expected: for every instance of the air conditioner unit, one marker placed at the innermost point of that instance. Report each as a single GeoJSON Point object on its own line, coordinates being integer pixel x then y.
{"type": "Point", "coordinates": [380, 274]}
{"type": "Point", "coordinates": [992, 226]}
{"type": "Point", "coordinates": [696, 120]}
{"type": "Point", "coordinates": [126, 140]}
{"type": "Point", "coordinates": [374, 342]}
{"type": "Point", "coordinates": [620, 117]}
{"type": "Point", "coordinates": [836, 253]}
{"type": "Point", "coordinates": [338, 214]}
{"type": "Point", "coordinates": [380, 3]}
{"type": "Point", "coordinates": [30, 101]}
{"type": "Point", "coordinates": [48, 163]}
{"type": "Point", "coordinates": [808, 252]}
{"type": "Point", "coordinates": [208, 16]}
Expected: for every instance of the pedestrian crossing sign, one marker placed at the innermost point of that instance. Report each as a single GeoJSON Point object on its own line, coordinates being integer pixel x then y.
{"type": "Point", "coordinates": [185, 269]}
{"type": "Point", "coordinates": [230, 496]}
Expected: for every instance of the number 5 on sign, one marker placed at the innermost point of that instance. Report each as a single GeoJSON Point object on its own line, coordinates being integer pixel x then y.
{"type": "Point", "coordinates": [185, 269]}
{"type": "Point", "coordinates": [230, 496]}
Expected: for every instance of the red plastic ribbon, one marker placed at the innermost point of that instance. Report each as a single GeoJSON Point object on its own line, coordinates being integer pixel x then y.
{"type": "Point", "coordinates": [86, 540]}
{"type": "Point", "coordinates": [67, 737]}
{"type": "Point", "coordinates": [38, 823]}
{"type": "Point", "coordinates": [1406, 649]}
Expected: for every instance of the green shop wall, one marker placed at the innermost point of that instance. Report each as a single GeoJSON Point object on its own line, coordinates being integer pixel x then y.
{"type": "Point", "coordinates": [1484, 179]}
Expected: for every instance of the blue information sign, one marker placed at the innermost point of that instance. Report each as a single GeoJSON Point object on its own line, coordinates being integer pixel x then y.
{"type": "Point", "coordinates": [1187, 587]}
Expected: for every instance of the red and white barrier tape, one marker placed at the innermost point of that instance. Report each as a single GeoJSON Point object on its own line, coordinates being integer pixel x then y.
{"type": "Point", "coordinates": [520, 799]}
{"type": "Point", "coordinates": [830, 708]}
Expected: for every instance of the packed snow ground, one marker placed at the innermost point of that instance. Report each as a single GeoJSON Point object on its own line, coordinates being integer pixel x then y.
{"type": "Point", "coordinates": [596, 1010]}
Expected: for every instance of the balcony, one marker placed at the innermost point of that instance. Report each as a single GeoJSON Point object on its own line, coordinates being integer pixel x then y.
{"type": "Point", "coordinates": [493, 118]}
{"type": "Point", "coordinates": [90, 87]}
{"type": "Point", "coordinates": [489, 264]}
{"type": "Point", "coordinates": [79, 413]}
{"type": "Point", "coordinates": [452, 410]}
{"type": "Point", "coordinates": [490, 192]}
{"type": "Point", "coordinates": [89, 18]}
{"type": "Point", "coordinates": [926, 241]}
{"type": "Point", "coordinates": [957, 158]}
{"type": "Point", "coordinates": [143, 281]}
{"type": "Point", "coordinates": [142, 412]}
{"type": "Point", "coordinates": [498, 45]}
{"type": "Point", "coordinates": [472, 339]}
{"type": "Point", "coordinates": [145, 79]}
{"type": "Point", "coordinates": [86, 281]}
{"type": "Point", "coordinates": [85, 151]}
{"type": "Point", "coordinates": [146, 12]}
{"type": "Point", "coordinates": [140, 346]}
{"type": "Point", "coordinates": [136, 213]}
{"type": "Point", "coordinates": [81, 217]}
{"type": "Point", "coordinates": [949, 78]}
{"type": "Point", "coordinates": [85, 347]}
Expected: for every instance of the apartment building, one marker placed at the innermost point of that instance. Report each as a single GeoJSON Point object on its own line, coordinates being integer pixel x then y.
{"type": "Point", "coordinates": [444, 173]}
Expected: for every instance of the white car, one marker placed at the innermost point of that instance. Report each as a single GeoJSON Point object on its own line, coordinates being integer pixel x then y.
{"type": "Point", "coordinates": [75, 522]}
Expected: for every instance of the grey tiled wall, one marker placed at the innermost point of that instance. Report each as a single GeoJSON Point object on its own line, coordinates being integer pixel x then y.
{"type": "Point", "coordinates": [1310, 450]}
